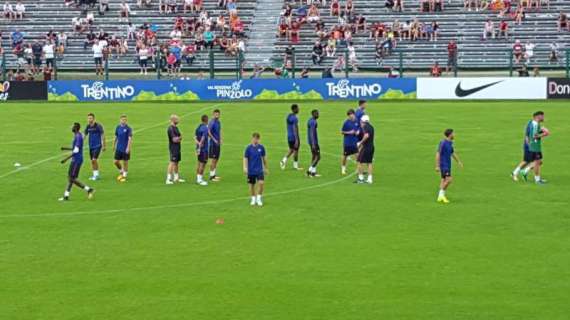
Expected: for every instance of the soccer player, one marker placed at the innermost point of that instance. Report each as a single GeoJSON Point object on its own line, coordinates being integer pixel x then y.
{"type": "Point", "coordinates": [292, 138]}
{"type": "Point", "coordinates": [201, 138]}
{"type": "Point", "coordinates": [255, 168]}
{"type": "Point", "coordinates": [365, 150]}
{"type": "Point", "coordinates": [526, 164]}
{"type": "Point", "coordinates": [76, 157]}
{"type": "Point", "coordinates": [350, 130]}
{"type": "Point", "coordinates": [122, 147]}
{"type": "Point", "coordinates": [313, 139]}
{"type": "Point", "coordinates": [361, 110]}
{"type": "Point", "coordinates": [96, 143]}
{"type": "Point", "coordinates": [535, 136]}
{"type": "Point", "coordinates": [174, 146]}
{"type": "Point", "coordinates": [443, 163]}
{"type": "Point", "coordinates": [215, 134]}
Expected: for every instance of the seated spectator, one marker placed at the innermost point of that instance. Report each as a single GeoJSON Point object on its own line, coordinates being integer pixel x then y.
{"type": "Point", "coordinates": [399, 5]}
{"type": "Point", "coordinates": [360, 23]}
{"type": "Point", "coordinates": [563, 22]}
{"type": "Point", "coordinates": [314, 14]}
{"type": "Point", "coordinates": [90, 18]}
{"type": "Point", "coordinates": [144, 3]}
{"type": "Point", "coordinates": [239, 28]}
{"type": "Point", "coordinates": [435, 30]}
{"type": "Point", "coordinates": [489, 29]}
{"type": "Point", "coordinates": [294, 32]}
{"type": "Point", "coordinates": [519, 15]}
{"type": "Point", "coordinates": [221, 23]}
{"type": "Point", "coordinates": [171, 6]}
{"type": "Point", "coordinates": [162, 7]}
{"type": "Point", "coordinates": [103, 6]}
{"type": "Point", "coordinates": [389, 4]}
{"type": "Point", "coordinates": [504, 29]}
{"type": "Point", "coordinates": [61, 44]}
{"type": "Point", "coordinates": [231, 7]}
{"type": "Point", "coordinates": [331, 47]}
{"type": "Point", "coordinates": [425, 6]}
{"type": "Point", "coordinates": [470, 4]}
{"type": "Point", "coordinates": [171, 64]}
{"type": "Point", "coordinates": [305, 73]}
{"type": "Point", "coordinates": [435, 70]}
{"type": "Point", "coordinates": [20, 10]}
{"type": "Point", "coordinates": [176, 34]}
{"type": "Point", "coordinates": [283, 29]}
{"type": "Point", "coordinates": [415, 30]}
{"type": "Point", "coordinates": [318, 53]}
{"type": "Point", "coordinates": [37, 51]}
{"type": "Point", "coordinates": [17, 37]}
{"type": "Point", "coordinates": [553, 56]}
{"type": "Point", "coordinates": [349, 8]}
{"type": "Point", "coordinates": [438, 5]}
{"type": "Point", "coordinates": [188, 53]}
{"type": "Point", "coordinates": [197, 5]}
{"type": "Point", "coordinates": [188, 5]}
{"type": "Point", "coordinates": [404, 32]}
{"type": "Point", "coordinates": [517, 51]}
{"type": "Point", "coordinates": [114, 45]}
{"type": "Point", "coordinates": [484, 5]}
{"type": "Point", "coordinates": [89, 40]}
{"type": "Point", "coordinates": [497, 5]}
{"type": "Point", "coordinates": [209, 38]}
{"type": "Point", "coordinates": [335, 8]}
{"type": "Point", "coordinates": [9, 11]}
{"type": "Point", "coordinates": [393, 73]}
{"type": "Point", "coordinates": [47, 73]}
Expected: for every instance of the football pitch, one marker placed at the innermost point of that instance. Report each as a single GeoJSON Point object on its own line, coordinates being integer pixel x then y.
{"type": "Point", "coordinates": [321, 248]}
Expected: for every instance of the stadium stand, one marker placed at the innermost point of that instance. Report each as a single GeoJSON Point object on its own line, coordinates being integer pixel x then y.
{"type": "Point", "coordinates": [261, 19]}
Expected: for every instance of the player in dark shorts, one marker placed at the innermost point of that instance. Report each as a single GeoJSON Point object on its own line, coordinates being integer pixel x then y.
{"type": "Point", "coordinates": [96, 134]}
{"type": "Point", "coordinates": [76, 157]}
{"type": "Point", "coordinates": [526, 164]}
{"type": "Point", "coordinates": [293, 139]}
{"type": "Point", "coordinates": [201, 138]}
{"type": "Point", "coordinates": [365, 150]}
{"type": "Point", "coordinates": [174, 147]}
{"type": "Point", "coordinates": [215, 144]}
{"type": "Point", "coordinates": [255, 168]}
{"type": "Point", "coordinates": [350, 130]}
{"type": "Point", "coordinates": [313, 139]}
{"type": "Point", "coordinates": [122, 146]}
{"type": "Point", "coordinates": [443, 157]}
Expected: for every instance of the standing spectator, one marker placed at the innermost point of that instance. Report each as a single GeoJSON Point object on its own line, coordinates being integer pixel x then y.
{"type": "Point", "coordinates": [9, 11]}
{"type": "Point", "coordinates": [352, 57]}
{"type": "Point", "coordinates": [17, 37]}
{"type": "Point", "coordinates": [563, 22]}
{"type": "Point", "coordinates": [435, 30]}
{"type": "Point", "coordinates": [517, 51]}
{"type": "Point", "coordinates": [399, 5]}
{"type": "Point", "coordinates": [103, 6]}
{"type": "Point", "coordinates": [20, 10]}
{"type": "Point", "coordinates": [529, 51]}
{"type": "Point", "coordinates": [98, 56]}
{"type": "Point", "coordinates": [451, 56]}
{"type": "Point", "coordinates": [335, 8]}
{"type": "Point", "coordinates": [37, 51]}
{"type": "Point", "coordinates": [438, 5]}
{"type": "Point", "coordinates": [48, 51]}
{"type": "Point", "coordinates": [435, 70]}
{"type": "Point", "coordinates": [89, 40]}
{"type": "Point", "coordinates": [349, 8]}
{"type": "Point", "coordinates": [28, 55]}
{"type": "Point", "coordinates": [188, 5]}
{"type": "Point", "coordinates": [61, 44]}
{"type": "Point", "coordinates": [47, 73]}
{"type": "Point", "coordinates": [143, 59]}
{"type": "Point", "coordinates": [553, 57]}
{"type": "Point", "coordinates": [489, 29]}
{"type": "Point", "coordinates": [131, 31]}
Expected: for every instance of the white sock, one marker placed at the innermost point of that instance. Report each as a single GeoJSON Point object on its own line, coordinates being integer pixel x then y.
{"type": "Point", "coordinates": [168, 177]}
{"type": "Point", "coordinates": [516, 171]}
{"type": "Point", "coordinates": [95, 173]}
{"type": "Point", "coordinates": [258, 197]}
{"type": "Point", "coordinates": [66, 193]}
{"type": "Point", "coordinates": [442, 193]}
{"type": "Point", "coordinates": [284, 160]}
{"type": "Point", "coordinates": [526, 170]}
{"type": "Point", "coordinates": [213, 173]}
{"type": "Point", "coordinates": [296, 165]}
{"type": "Point", "coordinates": [176, 177]}
{"type": "Point", "coordinates": [343, 168]}
{"type": "Point", "coordinates": [537, 178]}
{"type": "Point", "coordinates": [125, 174]}
{"type": "Point", "coordinates": [360, 177]}
{"type": "Point", "coordinates": [199, 178]}
{"type": "Point", "coordinates": [252, 198]}
{"type": "Point", "coordinates": [369, 178]}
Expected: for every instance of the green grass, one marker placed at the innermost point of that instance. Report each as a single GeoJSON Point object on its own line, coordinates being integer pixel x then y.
{"type": "Point", "coordinates": [334, 250]}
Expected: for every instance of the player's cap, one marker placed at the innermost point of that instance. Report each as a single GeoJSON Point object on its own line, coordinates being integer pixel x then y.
{"type": "Point", "coordinates": [365, 118]}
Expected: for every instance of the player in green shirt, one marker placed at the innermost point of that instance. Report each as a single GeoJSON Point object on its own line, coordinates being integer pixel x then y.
{"type": "Point", "coordinates": [534, 138]}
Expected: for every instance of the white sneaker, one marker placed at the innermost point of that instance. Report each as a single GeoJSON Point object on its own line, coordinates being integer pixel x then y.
{"type": "Point", "coordinates": [202, 183]}
{"type": "Point", "coordinates": [282, 164]}
{"type": "Point", "coordinates": [180, 180]}
{"type": "Point", "coordinates": [252, 203]}
{"type": "Point", "coordinates": [93, 178]}
{"type": "Point", "coordinates": [169, 182]}
{"type": "Point", "coordinates": [259, 203]}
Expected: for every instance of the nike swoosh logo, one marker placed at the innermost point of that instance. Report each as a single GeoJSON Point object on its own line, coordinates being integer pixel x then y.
{"type": "Point", "coordinates": [464, 93]}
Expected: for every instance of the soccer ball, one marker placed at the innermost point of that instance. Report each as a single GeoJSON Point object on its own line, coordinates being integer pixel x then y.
{"type": "Point", "coordinates": [545, 132]}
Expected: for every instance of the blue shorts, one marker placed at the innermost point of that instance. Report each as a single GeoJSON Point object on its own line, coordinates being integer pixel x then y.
{"type": "Point", "coordinates": [292, 144]}
{"type": "Point", "coordinates": [74, 168]}
{"type": "Point", "coordinates": [120, 155]}
{"type": "Point", "coordinates": [214, 151]}
{"type": "Point", "coordinates": [527, 156]}
{"type": "Point", "coordinates": [254, 178]}
{"type": "Point", "coordinates": [445, 173]}
{"type": "Point", "coordinates": [94, 153]}
{"type": "Point", "coordinates": [350, 150]}
{"type": "Point", "coordinates": [203, 156]}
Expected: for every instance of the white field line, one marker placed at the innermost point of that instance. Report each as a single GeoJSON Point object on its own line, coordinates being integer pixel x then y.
{"type": "Point", "coordinates": [37, 163]}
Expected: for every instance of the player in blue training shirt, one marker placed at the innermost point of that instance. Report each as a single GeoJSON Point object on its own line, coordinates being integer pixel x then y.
{"type": "Point", "coordinates": [350, 130]}
{"type": "Point", "coordinates": [201, 138]}
{"type": "Point", "coordinates": [313, 140]}
{"type": "Point", "coordinates": [215, 143]}
{"type": "Point", "coordinates": [76, 157]}
{"type": "Point", "coordinates": [443, 157]}
{"type": "Point", "coordinates": [122, 146]}
{"type": "Point", "coordinates": [524, 167]}
{"type": "Point", "coordinates": [293, 138]}
{"type": "Point", "coordinates": [360, 111]}
{"type": "Point", "coordinates": [255, 168]}
{"type": "Point", "coordinates": [96, 134]}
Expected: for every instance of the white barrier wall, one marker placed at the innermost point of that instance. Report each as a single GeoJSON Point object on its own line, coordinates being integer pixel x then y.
{"type": "Point", "coordinates": [481, 88]}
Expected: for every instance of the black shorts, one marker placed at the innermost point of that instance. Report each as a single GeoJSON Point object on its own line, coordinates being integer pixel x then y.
{"type": "Point", "coordinates": [74, 168]}
{"type": "Point", "coordinates": [38, 61]}
{"type": "Point", "coordinates": [445, 173]}
{"type": "Point", "coordinates": [29, 61]}
{"type": "Point", "coordinates": [527, 157]}
{"type": "Point", "coordinates": [94, 153]}
{"type": "Point", "coordinates": [316, 150]}
{"type": "Point", "coordinates": [350, 150]}
{"type": "Point", "coordinates": [214, 151]}
{"type": "Point", "coordinates": [292, 144]}
{"type": "Point", "coordinates": [203, 156]}
{"type": "Point", "coordinates": [366, 155]}
{"type": "Point", "coordinates": [143, 63]}
{"type": "Point", "coordinates": [49, 62]}
{"type": "Point", "coordinates": [254, 178]}
{"type": "Point", "coordinates": [175, 155]}
{"type": "Point", "coordinates": [98, 61]}
{"type": "Point", "coordinates": [535, 156]}
{"type": "Point", "coordinates": [120, 155]}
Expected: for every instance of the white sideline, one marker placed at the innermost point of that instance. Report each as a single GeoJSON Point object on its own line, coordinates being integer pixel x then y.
{"type": "Point", "coordinates": [37, 163]}
{"type": "Point", "coordinates": [179, 205]}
